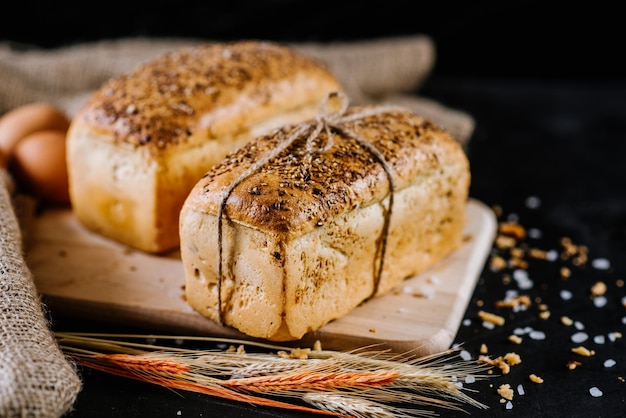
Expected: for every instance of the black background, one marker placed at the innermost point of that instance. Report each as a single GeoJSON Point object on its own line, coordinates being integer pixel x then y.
{"type": "Point", "coordinates": [546, 86]}
{"type": "Point", "coordinates": [485, 39]}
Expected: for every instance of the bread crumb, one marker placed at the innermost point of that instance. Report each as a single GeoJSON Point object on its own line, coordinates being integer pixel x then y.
{"type": "Point", "coordinates": [583, 351]}
{"type": "Point", "coordinates": [565, 273]}
{"type": "Point", "coordinates": [544, 315]}
{"type": "Point", "coordinates": [572, 364]}
{"type": "Point", "coordinates": [317, 345]}
{"type": "Point", "coordinates": [505, 391]}
{"type": "Point", "coordinates": [504, 363]}
{"type": "Point", "coordinates": [491, 318]}
{"type": "Point", "coordinates": [373, 330]}
{"type": "Point", "coordinates": [296, 353]}
{"type": "Point", "coordinates": [598, 289]}
{"type": "Point", "coordinates": [497, 263]}
{"type": "Point", "coordinates": [515, 339]}
{"type": "Point", "coordinates": [535, 379]}
{"type": "Point", "coordinates": [538, 254]}
{"type": "Point", "coordinates": [566, 321]}
{"type": "Point", "coordinates": [503, 242]}
{"type": "Point", "coordinates": [512, 358]}
{"type": "Point", "coordinates": [521, 300]}
{"type": "Point", "coordinates": [512, 229]}
{"type": "Point", "coordinates": [483, 349]}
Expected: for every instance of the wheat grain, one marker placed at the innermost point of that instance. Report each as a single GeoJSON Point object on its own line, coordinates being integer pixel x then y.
{"type": "Point", "coordinates": [359, 408]}
{"type": "Point", "coordinates": [145, 364]}
{"type": "Point", "coordinates": [361, 383]}
{"type": "Point", "coordinates": [313, 381]}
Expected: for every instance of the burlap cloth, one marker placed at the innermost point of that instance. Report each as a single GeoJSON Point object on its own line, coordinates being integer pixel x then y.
{"type": "Point", "coordinates": [36, 379]}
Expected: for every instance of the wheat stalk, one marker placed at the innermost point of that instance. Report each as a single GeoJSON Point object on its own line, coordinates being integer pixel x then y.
{"type": "Point", "coordinates": [361, 383]}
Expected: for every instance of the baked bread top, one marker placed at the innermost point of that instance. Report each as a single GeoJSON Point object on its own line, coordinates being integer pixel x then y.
{"type": "Point", "coordinates": [215, 88]}
{"type": "Point", "coordinates": [314, 184]}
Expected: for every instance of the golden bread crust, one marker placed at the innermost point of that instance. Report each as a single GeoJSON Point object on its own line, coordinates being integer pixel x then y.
{"type": "Point", "coordinates": [141, 141]}
{"type": "Point", "coordinates": [301, 236]}
{"type": "Point", "coordinates": [165, 101]}
{"type": "Point", "coordinates": [297, 191]}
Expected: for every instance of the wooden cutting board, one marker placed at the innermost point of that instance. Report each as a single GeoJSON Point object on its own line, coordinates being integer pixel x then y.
{"type": "Point", "coordinates": [84, 275]}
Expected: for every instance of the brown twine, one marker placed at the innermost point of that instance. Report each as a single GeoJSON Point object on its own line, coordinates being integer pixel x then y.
{"type": "Point", "coordinates": [327, 120]}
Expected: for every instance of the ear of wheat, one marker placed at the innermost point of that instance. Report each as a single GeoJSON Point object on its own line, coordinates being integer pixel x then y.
{"type": "Point", "coordinates": [361, 383]}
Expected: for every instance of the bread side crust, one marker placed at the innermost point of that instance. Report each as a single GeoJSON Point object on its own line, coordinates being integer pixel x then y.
{"type": "Point", "coordinates": [143, 140]}
{"type": "Point", "coordinates": [133, 195]}
{"type": "Point", "coordinates": [280, 284]}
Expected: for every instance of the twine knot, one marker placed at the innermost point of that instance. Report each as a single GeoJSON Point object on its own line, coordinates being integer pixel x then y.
{"type": "Point", "coordinates": [331, 118]}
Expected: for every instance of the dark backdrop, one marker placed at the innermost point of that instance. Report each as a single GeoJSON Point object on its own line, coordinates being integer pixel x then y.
{"type": "Point", "coordinates": [485, 39]}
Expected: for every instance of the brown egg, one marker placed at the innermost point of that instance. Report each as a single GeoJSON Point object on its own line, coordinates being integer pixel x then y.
{"type": "Point", "coordinates": [39, 166]}
{"type": "Point", "coordinates": [24, 120]}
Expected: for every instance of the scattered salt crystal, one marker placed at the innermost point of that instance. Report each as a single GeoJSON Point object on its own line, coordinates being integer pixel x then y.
{"type": "Point", "coordinates": [566, 294]}
{"type": "Point", "coordinates": [600, 301]}
{"type": "Point", "coordinates": [609, 363]}
{"type": "Point", "coordinates": [579, 325]}
{"type": "Point", "coordinates": [527, 284]}
{"type": "Point", "coordinates": [613, 336]}
{"type": "Point", "coordinates": [537, 335]}
{"type": "Point", "coordinates": [535, 233]}
{"type": "Point", "coordinates": [467, 322]}
{"type": "Point", "coordinates": [520, 389]}
{"type": "Point", "coordinates": [470, 379]}
{"type": "Point", "coordinates": [519, 308]}
{"type": "Point", "coordinates": [579, 337]}
{"type": "Point", "coordinates": [465, 355]}
{"type": "Point", "coordinates": [509, 405]}
{"type": "Point", "coordinates": [459, 384]}
{"type": "Point", "coordinates": [489, 325]}
{"type": "Point", "coordinates": [434, 279]}
{"type": "Point", "coordinates": [623, 319]}
{"type": "Point", "coordinates": [522, 331]}
{"type": "Point", "coordinates": [552, 255]}
{"type": "Point", "coordinates": [595, 392]}
{"type": "Point", "coordinates": [427, 291]}
{"type": "Point", "coordinates": [599, 339]}
{"type": "Point", "coordinates": [601, 263]}
{"type": "Point", "coordinates": [519, 331]}
{"type": "Point", "coordinates": [407, 289]}
{"type": "Point", "coordinates": [532, 202]}
{"type": "Point", "coordinates": [624, 301]}
{"type": "Point", "coordinates": [179, 413]}
{"type": "Point", "coordinates": [520, 274]}
{"type": "Point", "coordinates": [403, 310]}
{"type": "Point", "coordinates": [179, 341]}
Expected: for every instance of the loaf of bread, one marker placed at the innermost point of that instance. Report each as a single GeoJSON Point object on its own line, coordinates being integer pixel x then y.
{"type": "Point", "coordinates": [140, 143]}
{"type": "Point", "coordinates": [301, 225]}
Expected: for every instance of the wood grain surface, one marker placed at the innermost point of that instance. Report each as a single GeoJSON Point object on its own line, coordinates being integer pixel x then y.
{"type": "Point", "coordinates": [81, 274]}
